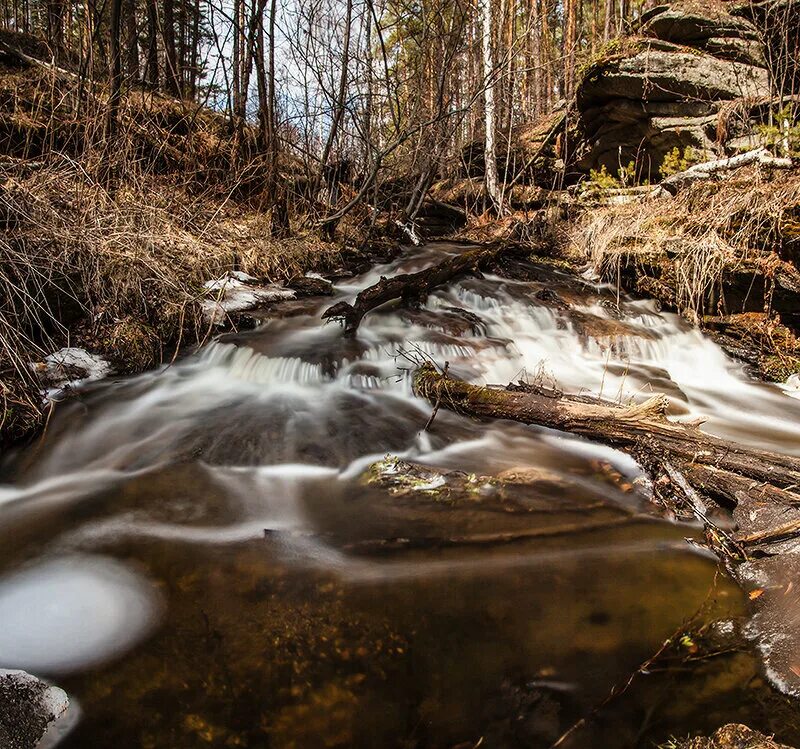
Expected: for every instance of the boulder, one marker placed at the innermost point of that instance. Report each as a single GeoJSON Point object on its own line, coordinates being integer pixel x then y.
{"type": "Point", "coordinates": [655, 75]}
{"type": "Point", "coordinates": [668, 88]}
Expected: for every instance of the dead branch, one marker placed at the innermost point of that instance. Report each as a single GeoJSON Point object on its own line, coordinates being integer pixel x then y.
{"type": "Point", "coordinates": [412, 287]}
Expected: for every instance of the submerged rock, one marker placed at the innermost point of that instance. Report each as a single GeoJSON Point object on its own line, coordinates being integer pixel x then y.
{"type": "Point", "coordinates": [27, 708]}
{"type": "Point", "coordinates": [310, 285]}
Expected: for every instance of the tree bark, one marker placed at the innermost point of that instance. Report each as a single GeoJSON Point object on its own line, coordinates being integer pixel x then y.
{"type": "Point", "coordinates": [152, 73]}
{"type": "Point", "coordinates": [116, 68]}
{"type": "Point", "coordinates": [608, 28]}
{"type": "Point", "coordinates": [170, 52]}
{"type": "Point", "coordinates": [707, 169]}
{"type": "Point", "coordinates": [490, 149]}
{"type": "Point", "coordinates": [570, 44]}
{"type": "Point", "coordinates": [194, 61]}
{"type": "Point", "coordinates": [712, 466]}
{"type": "Point", "coordinates": [55, 27]}
{"type": "Point", "coordinates": [132, 41]}
{"type": "Point", "coordinates": [339, 104]}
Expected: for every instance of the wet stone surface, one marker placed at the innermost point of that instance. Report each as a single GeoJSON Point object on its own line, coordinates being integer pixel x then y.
{"type": "Point", "coordinates": [27, 707]}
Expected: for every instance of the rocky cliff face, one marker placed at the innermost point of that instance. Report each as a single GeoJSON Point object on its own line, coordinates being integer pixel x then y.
{"type": "Point", "coordinates": [675, 86]}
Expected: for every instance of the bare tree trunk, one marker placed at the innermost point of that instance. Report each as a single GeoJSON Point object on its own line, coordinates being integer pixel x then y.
{"type": "Point", "coordinates": [116, 68]}
{"type": "Point", "coordinates": [264, 125]}
{"type": "Point", "coordinates": [195, 50]}
{"type": "Point", "coordinates": [132, 40]}
{"type": "Point", "coordinates": [608, 29]}
{"type": "Point", "coordinates": [489, 150]}
{"type": "Point", "coordinates": [170, 53]}
{"type": "Point", "coordinates": [182, 44]}
{"type": "Point", "coordinates": [412, 286]}
{"type": "Point", "coordinates": [570, 43]}
{"type": "Point", "coordinates": [714, 466]}
{"type": "Point", "coordinates": [536, 57]}
{"type": "Point", "coordinates": [55, 27]}
{"type": "Point", "coordinates": [152, 73]}
{"type": "Point", "coordinates": [339, 104]}
{"type": "Point", "coordinates": [280, 209]}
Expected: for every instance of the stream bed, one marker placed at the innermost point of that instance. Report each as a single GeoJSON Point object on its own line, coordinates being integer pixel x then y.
{"type": "Point", "coordinates": [194, 554]}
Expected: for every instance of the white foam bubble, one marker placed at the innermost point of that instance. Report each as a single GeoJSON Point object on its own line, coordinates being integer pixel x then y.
{"type": "Point", "coordinates": [70, 613]}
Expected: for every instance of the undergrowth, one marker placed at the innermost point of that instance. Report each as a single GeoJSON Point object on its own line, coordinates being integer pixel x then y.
{"type": "Point", "coordinates": [106, 240]}
{"type": "Point", "coordinates": [684, 247]}
{"type": "Point", "coordinates": [119, 272]}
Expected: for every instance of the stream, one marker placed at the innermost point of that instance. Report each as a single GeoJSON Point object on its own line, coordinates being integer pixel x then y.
{"type": "Point", "coordinates": [189, 553]}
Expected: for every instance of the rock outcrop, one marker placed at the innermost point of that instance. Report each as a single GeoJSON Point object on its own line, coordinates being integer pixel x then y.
{"type": "Point", "coordinates": [675, 86]}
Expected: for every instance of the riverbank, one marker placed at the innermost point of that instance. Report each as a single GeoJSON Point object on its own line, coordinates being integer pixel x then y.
{"type": "Point", "coordinates": [116, 245]}
{"type": "Point", "coordinates": [121, 273]}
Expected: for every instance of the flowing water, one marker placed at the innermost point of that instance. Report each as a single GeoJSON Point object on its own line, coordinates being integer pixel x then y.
{"type": "Point", "coordinates": [194, 553]}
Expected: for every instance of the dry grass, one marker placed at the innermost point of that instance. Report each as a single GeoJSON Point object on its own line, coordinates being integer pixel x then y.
{"type": "Point", "coordinates": [105, 242]}
{"type": "Point", "coordinates": [119, 272]}
{"type": "Point", "coordinates": [706, 231]}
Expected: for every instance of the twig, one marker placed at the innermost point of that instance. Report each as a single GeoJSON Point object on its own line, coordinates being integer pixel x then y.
{"type": "Point", "coordinates": [438, 401]}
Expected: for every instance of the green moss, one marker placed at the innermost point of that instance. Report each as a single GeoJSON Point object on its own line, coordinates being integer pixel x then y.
{"type": "Point", "coordinates": [554, 262]}
{"type": "Point", "coordinates": [779, 368]}
{"type": "Point", "coordinates": [401, 477]}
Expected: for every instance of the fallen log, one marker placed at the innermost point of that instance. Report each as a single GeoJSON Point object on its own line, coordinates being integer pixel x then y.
{"type": "Point", "coordinates": [412, 287]}
{"type": "Point", "coordinates": [712, 466]}
{"type": "Point", "coordinates": [708, 169]}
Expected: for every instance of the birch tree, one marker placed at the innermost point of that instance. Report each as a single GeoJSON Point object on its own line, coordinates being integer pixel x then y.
{"type": "Point", "coordinates": [490, 147]}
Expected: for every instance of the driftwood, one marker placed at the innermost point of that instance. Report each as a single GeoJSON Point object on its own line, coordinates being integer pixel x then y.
{"type": "Point", "coordinates": [676, 455]}
{"type": "Point", "coordinates": [412, 287]}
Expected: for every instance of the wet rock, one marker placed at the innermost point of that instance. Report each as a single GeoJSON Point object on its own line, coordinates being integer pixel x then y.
{"type": "Point", "coordinates": [526, 475]}
{"type": "Point", "coordinates": [27, 707]}
{"type": "Point", "coordinates": [773, 585]}
{"type": "Point", "coordinates": [759, 339]}
{"type": "Point", "coordinates": [550, 298]}
{"type": "Point", "coordinates": [594, 326]}
{"type": "Point", "coordinates": [235, 293]}
{"type": "Point", "coordinates": [416, 506]}
{"type": "Point", "coordinates": [732, 736]}
{"type": "Point", "coordinates": [309, 285]}
{"type": "Point", "coordinates": [530, 714]}
{"type": "Point", "coordinates": [453, 321]}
